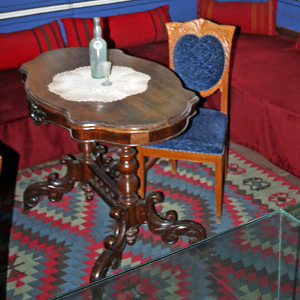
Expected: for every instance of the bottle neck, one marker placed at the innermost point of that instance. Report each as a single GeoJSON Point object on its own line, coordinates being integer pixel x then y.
{"type": "Point", "coordinates": [97, 28]}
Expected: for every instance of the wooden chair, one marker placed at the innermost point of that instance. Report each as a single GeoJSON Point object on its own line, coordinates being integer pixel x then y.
{"type": "Point", "coordinates": [200, 55]}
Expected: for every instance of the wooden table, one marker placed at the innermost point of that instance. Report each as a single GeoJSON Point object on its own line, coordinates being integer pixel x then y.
{"type": "Point", "coordinates": [158, 114]}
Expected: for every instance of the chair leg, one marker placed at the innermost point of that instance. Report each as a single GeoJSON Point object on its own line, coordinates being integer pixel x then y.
{"type": "Point", "coordinates": [219, 179]}
{"type": "Point", "coordinates": [174, 166]}
{"type": "Point", "coordinates": [141, 173]}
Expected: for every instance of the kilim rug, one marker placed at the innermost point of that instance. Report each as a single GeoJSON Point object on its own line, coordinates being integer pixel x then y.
{"type": "Point", "coordinates": [52, 249]}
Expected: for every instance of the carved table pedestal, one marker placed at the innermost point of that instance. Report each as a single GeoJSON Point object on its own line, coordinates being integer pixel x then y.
{"type": "Point", "coordinates": [160, 113]}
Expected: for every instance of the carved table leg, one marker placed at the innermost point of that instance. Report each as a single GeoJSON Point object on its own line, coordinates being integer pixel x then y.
{"type": "Point", "coordinates": [131, 212]}
{"type": "Point", "coordinates": [167, 226]}
{"type": "Point", "coordinates": [128, 185]}
{"type": "Point", "coordinates": [114, 245]}
{"type": "Point", "coordinates": [55, 187]}
{"type": "Point", "coordinates": [125, 214]}
{"type": "Point", "coordinates": [96, 174]}
{"type": "Point", "coordinates": [83, 174]}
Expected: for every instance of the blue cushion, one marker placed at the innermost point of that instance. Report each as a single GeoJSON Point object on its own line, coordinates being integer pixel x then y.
{"type": "Point", "coordinates": [206, 134]}
{"type": "Point", "coordinates": [199, 61]}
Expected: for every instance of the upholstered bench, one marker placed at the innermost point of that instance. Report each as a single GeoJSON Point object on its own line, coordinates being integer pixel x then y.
{"type": "Point", "coordinates": [264, 80]}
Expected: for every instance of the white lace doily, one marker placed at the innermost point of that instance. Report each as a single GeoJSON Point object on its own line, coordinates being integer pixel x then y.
{"type": "Point", "coordinates": [78, 85]}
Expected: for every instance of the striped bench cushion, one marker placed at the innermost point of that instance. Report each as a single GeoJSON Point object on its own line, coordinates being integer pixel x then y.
{"type": "Point", "coordinates": [122, 30]}
{"type": "Point", "coordinates": [248, 17]}
{"type": "Point", "coordinates": [21, 46]}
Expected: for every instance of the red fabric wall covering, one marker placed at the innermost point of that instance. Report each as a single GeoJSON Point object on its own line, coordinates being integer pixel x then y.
{"type": "Point", "coordinates": [264, 99]}
{"type": "Point", "coordinates": [264, 104]}
{"type": "Point", "coordinates": [36, 144]}
{"type": "Point", "coordinates": [157, 52]}
{"type": "Point", "coordinates": [249, 17]}
{"type": "Point", "coordinates": [272, 133]}
{"type": "Point", "coordinates": [122, 30]}
{"type": "Point", "coordinates": [24, 45]}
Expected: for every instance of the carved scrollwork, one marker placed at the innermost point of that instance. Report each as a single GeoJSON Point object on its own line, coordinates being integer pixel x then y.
{"type": "Point", "coordinates": [114, 245]}
{"type": "Point", "coordinates": [193, 230]}
{"type": "Point", "coordinates": [36, 114]}
{"type": "Point", "coordinates": [157, 224]}
{"type": "Point", "coordinates": [54, 187]}
{"type": "Point", "coordinates": [66, 183]}
{"type": "Point", "coordinates": [35, 191]}
{"type": "Point", "coordinates": [167, 225]}
{"type": "Point", "coordinates": [104, 185]}
{"type": "Point", "coordinates": [107, 163]}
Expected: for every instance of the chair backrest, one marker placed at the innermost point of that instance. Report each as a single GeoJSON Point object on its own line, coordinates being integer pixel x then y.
{"type": "Point", "coordinates": [199, 52]}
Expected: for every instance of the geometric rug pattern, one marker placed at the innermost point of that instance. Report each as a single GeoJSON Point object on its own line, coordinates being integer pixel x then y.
{"type": "Point", "coordinates": [251, 262]}
{"type": "Point", "coordinates": [52, 250]}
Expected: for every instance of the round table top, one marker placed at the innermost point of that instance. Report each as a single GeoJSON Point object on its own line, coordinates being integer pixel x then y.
{"type": "Point", "coordinates": [157, 114]}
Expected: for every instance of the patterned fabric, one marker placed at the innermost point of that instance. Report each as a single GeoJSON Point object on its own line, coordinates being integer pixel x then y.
{"type": "Point", "coordinates": [22, 46]}
{"type": "Point", "coordinates": [72, 85]}
{"type": "Point", "coordinates": [79, 31]}
{"type": "Point", "coordinates": [251, 17]}
{"type": "Point", "coordinates": [199, 61]}
{"type": "Point", "coordinates": [121, 30]}
{"type": "Point", "coordinates": [249, 263]}
{"type": "Point", "coordinates": [53, 248]}
{"type": "Point", "coordinates": [206, 134]}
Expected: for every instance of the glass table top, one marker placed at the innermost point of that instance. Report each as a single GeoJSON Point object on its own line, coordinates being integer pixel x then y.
{"type": "Point", "coordinates": [294, 210]}
{"type": "Point", "coordinates": [258, 260]}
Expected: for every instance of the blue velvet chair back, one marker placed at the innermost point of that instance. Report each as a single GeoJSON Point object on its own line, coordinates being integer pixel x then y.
{"type": "Point", "coordinates": [199, 53]}
{"type": "Point", "coordinates": [199, 61]}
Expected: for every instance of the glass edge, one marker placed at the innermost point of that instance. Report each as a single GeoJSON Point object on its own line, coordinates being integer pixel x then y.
{"type": "Point", "coordinates": [103, 280]}
{"type": "Point", "coordinates": [290, 215]}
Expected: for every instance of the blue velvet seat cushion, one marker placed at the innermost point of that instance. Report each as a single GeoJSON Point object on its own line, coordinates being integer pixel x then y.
{"type": "Point", "coordinates": [199, 61]}
{"type": "Point", "coordinates": [206, 134]}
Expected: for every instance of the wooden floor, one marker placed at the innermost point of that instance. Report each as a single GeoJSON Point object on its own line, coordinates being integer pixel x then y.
{"type": "Point", "coordinates": [260, 160]}
{"type": "Point", "coordinates": [252, 155]}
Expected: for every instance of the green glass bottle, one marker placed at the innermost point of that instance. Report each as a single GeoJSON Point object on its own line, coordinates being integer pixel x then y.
{"type": "Point", "coordinates": [98, 50]}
